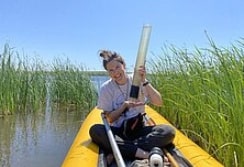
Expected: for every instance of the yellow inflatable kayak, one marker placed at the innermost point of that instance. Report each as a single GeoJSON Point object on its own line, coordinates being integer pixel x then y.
{"type": "Point", "coordinates": [83, 152]}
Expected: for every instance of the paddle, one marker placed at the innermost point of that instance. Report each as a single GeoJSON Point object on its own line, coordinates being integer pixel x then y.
{"type": "Point", "coordinates": [117, 155]}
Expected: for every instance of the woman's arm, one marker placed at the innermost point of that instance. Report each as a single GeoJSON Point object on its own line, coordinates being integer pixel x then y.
{"type": "Point", "coordinates": [115, 114]}
{"type": "Point", "coordinates": [153, 95]}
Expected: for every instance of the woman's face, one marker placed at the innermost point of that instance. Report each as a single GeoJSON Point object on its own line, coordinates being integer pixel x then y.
{"type": "Point", "coordinates": [117, 71]}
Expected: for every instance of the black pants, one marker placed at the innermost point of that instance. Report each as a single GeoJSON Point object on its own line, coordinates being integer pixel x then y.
{"type": "Point", "coordinates": [145, 138]}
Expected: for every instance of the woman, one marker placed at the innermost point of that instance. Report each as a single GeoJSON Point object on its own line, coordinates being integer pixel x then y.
{"type": "Point", "coordinates": [114, 100]}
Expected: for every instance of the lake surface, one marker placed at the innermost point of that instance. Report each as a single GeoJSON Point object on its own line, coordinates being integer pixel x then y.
{"type": "Point", "coordinates": [40, 139]}
{"type": "Point", "coordinates": [37, 140]}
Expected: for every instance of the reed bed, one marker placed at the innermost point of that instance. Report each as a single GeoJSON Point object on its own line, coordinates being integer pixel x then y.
{"type": "Point", "coordinates": [26, 85]}
{"type": "Point", "coordinates": [72, 87]}
{"type": "Point", "coordinates": [203, 94]}
{"type": "Point", "coordinates": [21, 84]}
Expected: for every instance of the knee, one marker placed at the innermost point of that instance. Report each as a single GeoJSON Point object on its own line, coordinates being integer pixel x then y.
{"type": "Point", "coordinates": [170, 134]}
{"type": "Point", "coordinates": [170, 131]}
{"type": "Point", "coordinates": [99, 136]}
{"type": "Point", "coordinates": [96, 131]}
{"type": "Point", "coordinates": [165, 131]}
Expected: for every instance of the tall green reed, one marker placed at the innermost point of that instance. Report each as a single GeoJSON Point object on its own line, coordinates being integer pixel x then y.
{"type": "Point", "coordinates": [72, 86]}
{"type": "Point", "coordinates": [203, 94]}
{"type": "Point", "coordinates": [26, 84]}
{"type": "Point", "coordinates": [21, 85]}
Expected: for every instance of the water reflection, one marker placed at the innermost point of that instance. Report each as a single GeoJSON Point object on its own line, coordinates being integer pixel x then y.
{"type": "Point", "coordinates": [39, 139]}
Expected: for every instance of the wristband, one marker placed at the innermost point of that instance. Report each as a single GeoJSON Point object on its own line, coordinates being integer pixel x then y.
{"type": "Point", "coordinates": [146, 83]}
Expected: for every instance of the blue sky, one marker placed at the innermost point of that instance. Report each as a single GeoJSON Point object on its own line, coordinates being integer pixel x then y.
{"type": "Point", "coordinates": [77, 29]}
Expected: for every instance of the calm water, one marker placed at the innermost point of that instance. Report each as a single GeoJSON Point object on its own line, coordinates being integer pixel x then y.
{"type": "Point", "coordinates": [37, 140]}
{"type": "Point", "coordinates": [41, 139]}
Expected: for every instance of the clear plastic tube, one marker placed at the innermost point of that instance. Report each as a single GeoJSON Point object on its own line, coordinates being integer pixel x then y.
{"type": "Point", "coordinates": [140, 60]}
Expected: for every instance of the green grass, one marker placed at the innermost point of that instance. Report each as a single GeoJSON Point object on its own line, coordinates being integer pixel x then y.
{"type": "Point", "coordinates": [22, 87]}
{"type": "Point", "coordinates": [204, 96]}
{"type": "Point", "coordinates": [71, 85]}
{"type": "Point", "coordinates": [24, 84]}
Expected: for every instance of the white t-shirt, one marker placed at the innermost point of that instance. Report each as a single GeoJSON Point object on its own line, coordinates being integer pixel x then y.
{"type": "Point", "coordinates": [112, 96]}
